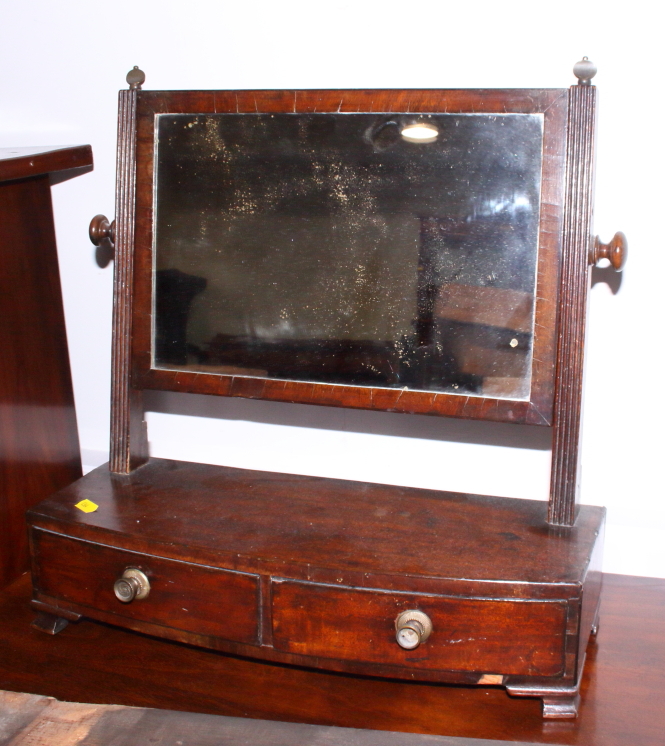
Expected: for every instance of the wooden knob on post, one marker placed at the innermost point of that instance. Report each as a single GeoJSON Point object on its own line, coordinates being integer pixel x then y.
{"type": "Point", "coordinates": [101, 232]}
{"type": "Point", "coordinates": [616, 251]}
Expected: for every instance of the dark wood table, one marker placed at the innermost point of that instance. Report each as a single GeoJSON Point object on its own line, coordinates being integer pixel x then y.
{"type": "Point", "coordinates": [623, 699]}
{"type": "Point", "coordinates": [26, 717]}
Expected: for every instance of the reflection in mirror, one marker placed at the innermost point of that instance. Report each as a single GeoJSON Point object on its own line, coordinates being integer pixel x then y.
{"type": "Point", "coordinates": [361, 249]}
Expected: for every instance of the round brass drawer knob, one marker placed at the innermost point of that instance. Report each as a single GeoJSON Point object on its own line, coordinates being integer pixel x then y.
{"type": "Point", "coordinates": [133, 584]}
{"type": "Point", "coordinates": [413, 627]}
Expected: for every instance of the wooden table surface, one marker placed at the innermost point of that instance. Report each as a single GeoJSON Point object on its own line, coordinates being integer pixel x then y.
{"type": "Point", "coordinates": [623, 691]}
{"type": "Point", "coordinates": [31, 720]}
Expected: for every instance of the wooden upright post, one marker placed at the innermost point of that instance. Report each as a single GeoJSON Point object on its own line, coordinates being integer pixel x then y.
{"type": "Point", "coordinates": [129, 446]}
{"type": "Point", "coordinates": [574, 284]}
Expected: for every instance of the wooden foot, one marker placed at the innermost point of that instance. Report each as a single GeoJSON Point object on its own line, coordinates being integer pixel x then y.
{"type": "Point", "coordinates": [559, 702]}
{"type": "Point", "coordinates": [595, 625]}
{"type": "Point", "coordinates": [49, 623]}
{"type": "Point", "coordinates": [561, 707]}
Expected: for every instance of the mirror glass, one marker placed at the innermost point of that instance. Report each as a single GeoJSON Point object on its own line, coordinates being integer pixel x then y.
{"type": "Point", "coordinates": [390, 250]}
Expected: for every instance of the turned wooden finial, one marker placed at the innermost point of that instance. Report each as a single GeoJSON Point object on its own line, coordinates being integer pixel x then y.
{"type": "Point", "coordinates": [135, 78]}
{"type": "Point", "coordinates": [584, 70]}
{"type": "Point", "coordinates": [616, 251]}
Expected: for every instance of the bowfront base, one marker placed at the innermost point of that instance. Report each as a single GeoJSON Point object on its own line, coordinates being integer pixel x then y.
{"type": "Point", "coordinates": [345, 576]}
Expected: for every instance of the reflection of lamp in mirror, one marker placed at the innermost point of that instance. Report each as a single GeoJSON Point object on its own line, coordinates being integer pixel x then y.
{"type": "Point", "coordinates": [420, 132]}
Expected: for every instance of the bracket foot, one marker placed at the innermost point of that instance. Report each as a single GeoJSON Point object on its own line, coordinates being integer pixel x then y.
{"type": "Point", "coordinates": [49, 623]}
{"type": "Point", "coordinates": [561, 707]}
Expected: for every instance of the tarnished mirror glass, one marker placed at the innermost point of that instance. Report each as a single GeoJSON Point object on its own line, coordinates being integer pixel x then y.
{"type": "Point", "coordinates": [364, 249]}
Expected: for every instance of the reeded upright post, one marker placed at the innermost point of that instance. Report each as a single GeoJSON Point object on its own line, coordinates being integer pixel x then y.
{"type": "Point", "coordinates": [574, 284]}
{"type": "Point", "coordinates": [128, 436]}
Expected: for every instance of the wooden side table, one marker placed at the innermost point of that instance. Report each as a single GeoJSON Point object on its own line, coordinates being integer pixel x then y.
{"type": "Point", "coordinates": [39, 447]}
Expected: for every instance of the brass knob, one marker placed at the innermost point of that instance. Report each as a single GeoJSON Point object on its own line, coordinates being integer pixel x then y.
{"type": "Point", "coordinates": [616, 251]}
{"type": "Point", "coordinates": [133, 584]}
{"type": "Point", "coordinates": [413, 627]}
{"type": "Point", "coordinates": [101, 232]}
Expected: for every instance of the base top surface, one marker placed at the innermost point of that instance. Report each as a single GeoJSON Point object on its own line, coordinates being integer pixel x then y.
{"type": "Point", "coordinates": [332, 523]}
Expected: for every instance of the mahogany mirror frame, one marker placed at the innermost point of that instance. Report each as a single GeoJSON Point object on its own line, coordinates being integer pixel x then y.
{"type": "Point", "coordinates": [562, 268]}
{"type": "Point", "coordinates": [536, 410]}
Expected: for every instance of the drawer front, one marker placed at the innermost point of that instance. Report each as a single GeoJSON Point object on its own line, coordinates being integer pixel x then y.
{"type": "Point", "coordinates": [483, 635]}
{"type": "Point", "coordinates": [194, 598]}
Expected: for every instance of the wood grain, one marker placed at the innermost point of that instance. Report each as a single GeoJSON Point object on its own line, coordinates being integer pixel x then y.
{"type": "Point", "coordinates": [180, 595]}
{"type": "Point", "coordinates": [333, 622]}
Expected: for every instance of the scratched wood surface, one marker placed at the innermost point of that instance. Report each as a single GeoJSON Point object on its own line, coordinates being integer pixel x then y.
{"type": "Point", "coordinates": [31, 720]}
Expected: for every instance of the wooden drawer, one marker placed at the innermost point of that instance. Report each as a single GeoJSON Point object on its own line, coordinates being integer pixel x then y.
{"type": "Point", "coordinates": [483, 635]}
{"type": "Point", "coordinates": [184, 596]}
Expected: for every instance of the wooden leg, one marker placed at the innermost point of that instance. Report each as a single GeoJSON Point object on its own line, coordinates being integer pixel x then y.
{"type": "Point", "coordinates": [49, 623]}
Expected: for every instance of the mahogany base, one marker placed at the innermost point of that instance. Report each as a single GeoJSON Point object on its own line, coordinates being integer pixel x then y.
{"type": "Point", "coordinates": [313, 572]}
